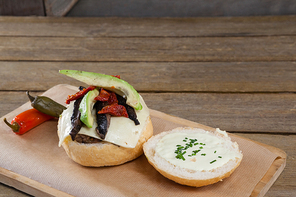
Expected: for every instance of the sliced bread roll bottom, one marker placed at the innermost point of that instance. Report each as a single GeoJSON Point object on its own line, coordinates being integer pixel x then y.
{"type": "Point", "coordinates": [190, 177]}
{"type": "Point", "coordinates": [105, 153]}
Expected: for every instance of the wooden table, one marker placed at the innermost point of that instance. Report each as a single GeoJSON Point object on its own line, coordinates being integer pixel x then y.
{"type": "Point", "coordinates": [238, 74]}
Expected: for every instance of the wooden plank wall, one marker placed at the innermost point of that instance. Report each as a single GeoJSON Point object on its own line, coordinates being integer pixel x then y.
{"type": "Point", "coordinates": [146, 8]}
{"type": "Point", "coordinates": [260, 74]}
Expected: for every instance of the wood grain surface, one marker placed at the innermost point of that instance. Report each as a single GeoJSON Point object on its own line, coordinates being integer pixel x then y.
{"type": "Point", "coordinates": [267, 113]}
{"type": "Point", "coordinates": [149, 27]}
{"type": "Point", "coordinates": [235, 73]}
{"type": "Point", "coordinates": [201, 49]}
{"type": "Point", "coordinates": [196, 77]}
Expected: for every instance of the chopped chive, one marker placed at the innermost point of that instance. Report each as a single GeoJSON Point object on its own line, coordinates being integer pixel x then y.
{"type": "Point", "coordinates": [203, 154]}
{"type": "Point", "coordinates": [180, 156]}
{"type": "Point", "coordinates": [219, 157]}
{"type": "Point", "coordinates": [180, 151]}
{"type": "Point", "coordinates": [213, 161]}
{"type": "Point", "coordinates": [215, 151]}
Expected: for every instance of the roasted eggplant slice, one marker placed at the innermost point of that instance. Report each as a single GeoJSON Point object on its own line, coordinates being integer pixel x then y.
{"type": "Point", "coordinates": [75, 119]}
{"type": "Point", "coordinates": [103, 120]}
{"type": "Point", "coordinates": [130, 110]}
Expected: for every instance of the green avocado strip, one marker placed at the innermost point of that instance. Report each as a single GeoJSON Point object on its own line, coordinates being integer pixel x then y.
{"type": "Point", "coordinates": [86, 106]}
{"type": "Point", "coordinates": [108, 82]}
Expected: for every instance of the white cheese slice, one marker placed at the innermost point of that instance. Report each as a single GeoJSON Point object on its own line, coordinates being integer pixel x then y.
{"type": "Point", "coordinates": [122, 131]}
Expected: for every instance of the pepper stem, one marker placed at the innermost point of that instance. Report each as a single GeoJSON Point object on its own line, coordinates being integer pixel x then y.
{"type": "Point", "coordinates": [15, 126]}
{"type": "Point", "coordinates": [30, 97]}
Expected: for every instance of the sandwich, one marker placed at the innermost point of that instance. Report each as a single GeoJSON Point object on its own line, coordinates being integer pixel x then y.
{"type": "Point", "coordinates": [106, 123]}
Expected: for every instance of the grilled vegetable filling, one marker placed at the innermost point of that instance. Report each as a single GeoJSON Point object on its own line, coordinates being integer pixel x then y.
{"type": "Point", "coordinates": [75, 119]}
{"type": "Point", "coordinates": [106, 105]}
{"type": "Point", "coordinates": [103, 120]}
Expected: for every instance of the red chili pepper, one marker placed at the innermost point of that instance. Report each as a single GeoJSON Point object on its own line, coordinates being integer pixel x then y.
{"type": "Point", "coordinates": [115, 110]}
{"type": "Point", "coordinates": [79, 94]}
{"type": "Point", "coordinates": [27, 120]}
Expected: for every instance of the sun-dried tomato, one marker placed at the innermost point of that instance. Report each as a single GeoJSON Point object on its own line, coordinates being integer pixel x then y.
{"type": "Point", "coordinates": [114, 110]}
{"type": "Point", "coordinates": [112, 98]}
{"type": "Point", "coordinates": [103, 96]}
{"type": "Point", "coordinates": [106, 95]}
{"type": "Point", "coordinates": [117, 76]}
{"type": "Point", "coordinates": [79, 94]}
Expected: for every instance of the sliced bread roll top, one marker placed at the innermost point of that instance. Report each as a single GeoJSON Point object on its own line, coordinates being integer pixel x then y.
{"type": "Point", "coordinates": [192, 156]}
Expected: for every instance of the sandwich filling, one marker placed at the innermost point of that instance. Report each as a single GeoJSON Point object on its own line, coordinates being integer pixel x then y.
{"type": "Point", "coordinates": [122, 131]}
{"type": "Point", "coordinates": [108, 110]}
{"type": "Point", "coordinates": [197, 151]}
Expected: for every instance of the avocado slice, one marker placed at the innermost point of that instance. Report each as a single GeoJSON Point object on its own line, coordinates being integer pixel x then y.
{"type": "Point", "coordinates": [86, 107]}
{"type": "Point", "coordinates": [108, 82]}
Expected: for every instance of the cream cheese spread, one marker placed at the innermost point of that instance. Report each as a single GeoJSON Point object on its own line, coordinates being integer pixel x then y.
{"type": "Point", "coordinates": [122, 131]}
{"type": "Point", "coordinates": [196, 150]}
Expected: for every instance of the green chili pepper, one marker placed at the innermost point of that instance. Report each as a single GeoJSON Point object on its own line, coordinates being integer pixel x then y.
{"type": "Point", "coordinates": [46, 105]}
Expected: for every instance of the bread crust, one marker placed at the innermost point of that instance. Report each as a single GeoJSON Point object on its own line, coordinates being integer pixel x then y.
{"type": "Point", "coordinates": [105, 153]}
{"type": "Point", "coordinates": [193, 182]}
{"type": "Point", "coordinates": [174, 172]}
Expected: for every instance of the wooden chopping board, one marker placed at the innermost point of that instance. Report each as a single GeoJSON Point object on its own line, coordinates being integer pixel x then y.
{"type": "Point", "coordinates": [36, 188]}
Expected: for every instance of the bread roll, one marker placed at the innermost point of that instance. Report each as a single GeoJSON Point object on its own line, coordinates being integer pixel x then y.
{"type": "Point", "coordinates": [209, 156]}
{"type": "Point", "coordinates": [105, 153]}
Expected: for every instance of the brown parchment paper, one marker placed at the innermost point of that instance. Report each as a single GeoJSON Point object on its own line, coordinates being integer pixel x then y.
{"type": "Point", "coordinates": [36, 155]}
